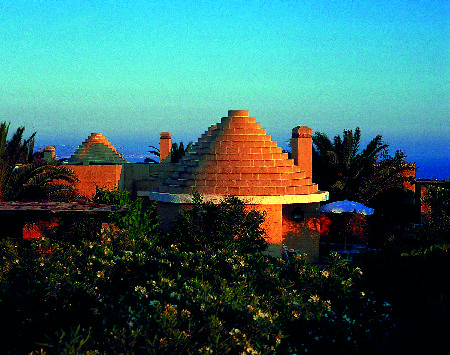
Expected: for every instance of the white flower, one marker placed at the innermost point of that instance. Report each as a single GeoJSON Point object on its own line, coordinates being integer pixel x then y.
{"type": "Point", "coordinates": [260, 315]}
{"type": "Point", "coordinates": [347, 282]}
{"type": "Point", "coordinates": [234, 331]}
{"type": "Point", "coordinates": [314, 299]}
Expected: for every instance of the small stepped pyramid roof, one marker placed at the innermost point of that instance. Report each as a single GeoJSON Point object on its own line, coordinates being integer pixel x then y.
{"type": "Point", "coordinates": [96, 149]}
{"type": "Point", "coordinates": [236, 157]}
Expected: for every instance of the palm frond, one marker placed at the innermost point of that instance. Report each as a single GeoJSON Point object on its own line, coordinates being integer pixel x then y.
{"type": "Point", "coordinates": [375, 146]}
{"type": "Point", "coordinates": [333, 157]}
{"type": "Point", "coordinates": [322, 143]}
{"type": "Point", "coordinates": [30, 181]}
{"type": "Point", "coordinates": [356, 141]}
{"type": "Point", "coordinates": [337, 143]}
{"type": "Point", "coordinates": [178, 151]}
{"type": "Point", "coordinates": [30, 149]}
{"type": "Point", "coordinates": [4, 129]}
{"type": "Point", "coordinates": [14, 148]}
{"type": "Point", "coordinates": [347, 152]}
{"type": "Point", "coordinates": [154, 151]}
{"type": "Point", "coordinates": [342, 169]}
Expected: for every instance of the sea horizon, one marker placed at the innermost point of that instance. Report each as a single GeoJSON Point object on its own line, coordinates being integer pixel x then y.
{"type": "Point", "coordinates": [427, 166]}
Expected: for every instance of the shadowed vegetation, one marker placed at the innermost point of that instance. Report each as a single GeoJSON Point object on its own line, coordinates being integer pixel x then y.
{"type": "Point", "coordinates": [24, 175]}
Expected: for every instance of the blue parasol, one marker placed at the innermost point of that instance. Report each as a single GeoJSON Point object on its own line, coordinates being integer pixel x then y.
{"type": "Point", "coordinates": [346, 207]}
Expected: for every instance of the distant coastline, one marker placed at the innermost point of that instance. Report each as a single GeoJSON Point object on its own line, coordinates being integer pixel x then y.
{"type": "Point", "coordinates": [429, 167]}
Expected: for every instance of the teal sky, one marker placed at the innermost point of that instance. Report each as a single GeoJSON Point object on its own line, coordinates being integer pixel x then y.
{"type": "Point", "coordinates": [131, 69]}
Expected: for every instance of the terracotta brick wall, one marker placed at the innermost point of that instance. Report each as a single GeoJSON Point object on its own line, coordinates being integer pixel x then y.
{"type": "Point", "coordinates": [302, 235]}
{"type": "Point", "coordinates": [38, 229]}
{"type": "Point", "coordinates": [272, 226]}
{"type": "Point", "coordinates": [411, 172]}
{"type": "Point", "coordinates": [90, 175]}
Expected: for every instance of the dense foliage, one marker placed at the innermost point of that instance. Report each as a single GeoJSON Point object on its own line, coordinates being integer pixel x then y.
{"type": "Point", "coordinates": [26, 176]}
{"type": "Point", "coordinates": [124, 291]}
{"type": "Point", "coordinates": [348, 173]}
{"type": "Point", "coordinates": [226, 225]}
{"type": "Point", "coordinates": [437, 201]}
{"type": "Point", "coordinates": [432, 236]}
{"type": "Point", "coordinates": [176, 153]}
{"type": "Point", "coordinates": [135, 217]}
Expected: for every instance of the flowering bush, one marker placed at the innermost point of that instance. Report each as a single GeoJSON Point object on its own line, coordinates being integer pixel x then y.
{"type": "Point", "coordinates": [208, 225]}
{"type": "Point", "coordinates": [123, 293]}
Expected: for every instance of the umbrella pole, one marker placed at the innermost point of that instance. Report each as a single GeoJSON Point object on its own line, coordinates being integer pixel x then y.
{"type": "Point", "coordinates": [346, 220]}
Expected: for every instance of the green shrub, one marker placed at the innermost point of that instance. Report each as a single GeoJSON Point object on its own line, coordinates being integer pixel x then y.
{"type": "Point", "coordinates": [209, 225]}
{"type": "Point", "coordinates": [134, 216]}
{"type": "Point", "coordinates": [129, 293]}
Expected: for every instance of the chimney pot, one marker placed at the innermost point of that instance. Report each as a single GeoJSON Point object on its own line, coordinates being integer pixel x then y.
{"type": "Point", "coordinates": [301, 144]}
{"type": "Point", "coordinates": [49, 153]}
{"type": "Point", "coordinates": [165, 145]}
{"type": "Point", "coordinates": [237, 113]}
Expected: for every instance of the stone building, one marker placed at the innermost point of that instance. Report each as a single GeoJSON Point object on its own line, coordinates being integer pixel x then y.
{"type": "Point", "coordinates": [96, 150]}
{"type": "Point", "coordinates": [95, 162]}
{"type": "Point", "coordinates": [236, 157]}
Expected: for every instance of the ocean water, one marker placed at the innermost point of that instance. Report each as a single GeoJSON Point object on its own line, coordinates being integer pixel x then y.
{"type": "Point", "coordinates": [433, 167]}
{"type": "Point", "coordinates": [428, 166]}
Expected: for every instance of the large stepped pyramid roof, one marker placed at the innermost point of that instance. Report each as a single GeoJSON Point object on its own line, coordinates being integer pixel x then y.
{"type": "Point", "coordinates": [96, 149]}
{"type": "Point", "coordinates": [237, 157]}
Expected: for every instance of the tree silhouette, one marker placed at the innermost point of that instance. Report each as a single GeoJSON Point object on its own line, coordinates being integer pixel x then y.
{"type": "Point", "coordinates": [341, 168]}
{"type": "Point", "coordinates": [26, 176]}
{"type": "Point", "coordinates": [176, 153]}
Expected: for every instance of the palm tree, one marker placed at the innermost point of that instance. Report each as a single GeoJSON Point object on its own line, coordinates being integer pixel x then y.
{"type": "Point", "coordinates": [13, 152]}
{"type": "Point", "coordinates": [176, 153]}
{"type": "Point", "coordinates": [154, 151]}
{"type": "Point", "coordinates": [25, 176]}
{"type": "Point", "coordinates": [340, 167]}
{"type": "Point", "coordinates": [41, 180]}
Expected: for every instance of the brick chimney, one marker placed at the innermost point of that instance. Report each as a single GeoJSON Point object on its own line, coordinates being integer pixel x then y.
{"type": "Point", "coordinates": [301, 144]}
{"type": "Point", "coordinates": [49, 153]}
{"type": "Point", "coordinates": [165, 145]}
